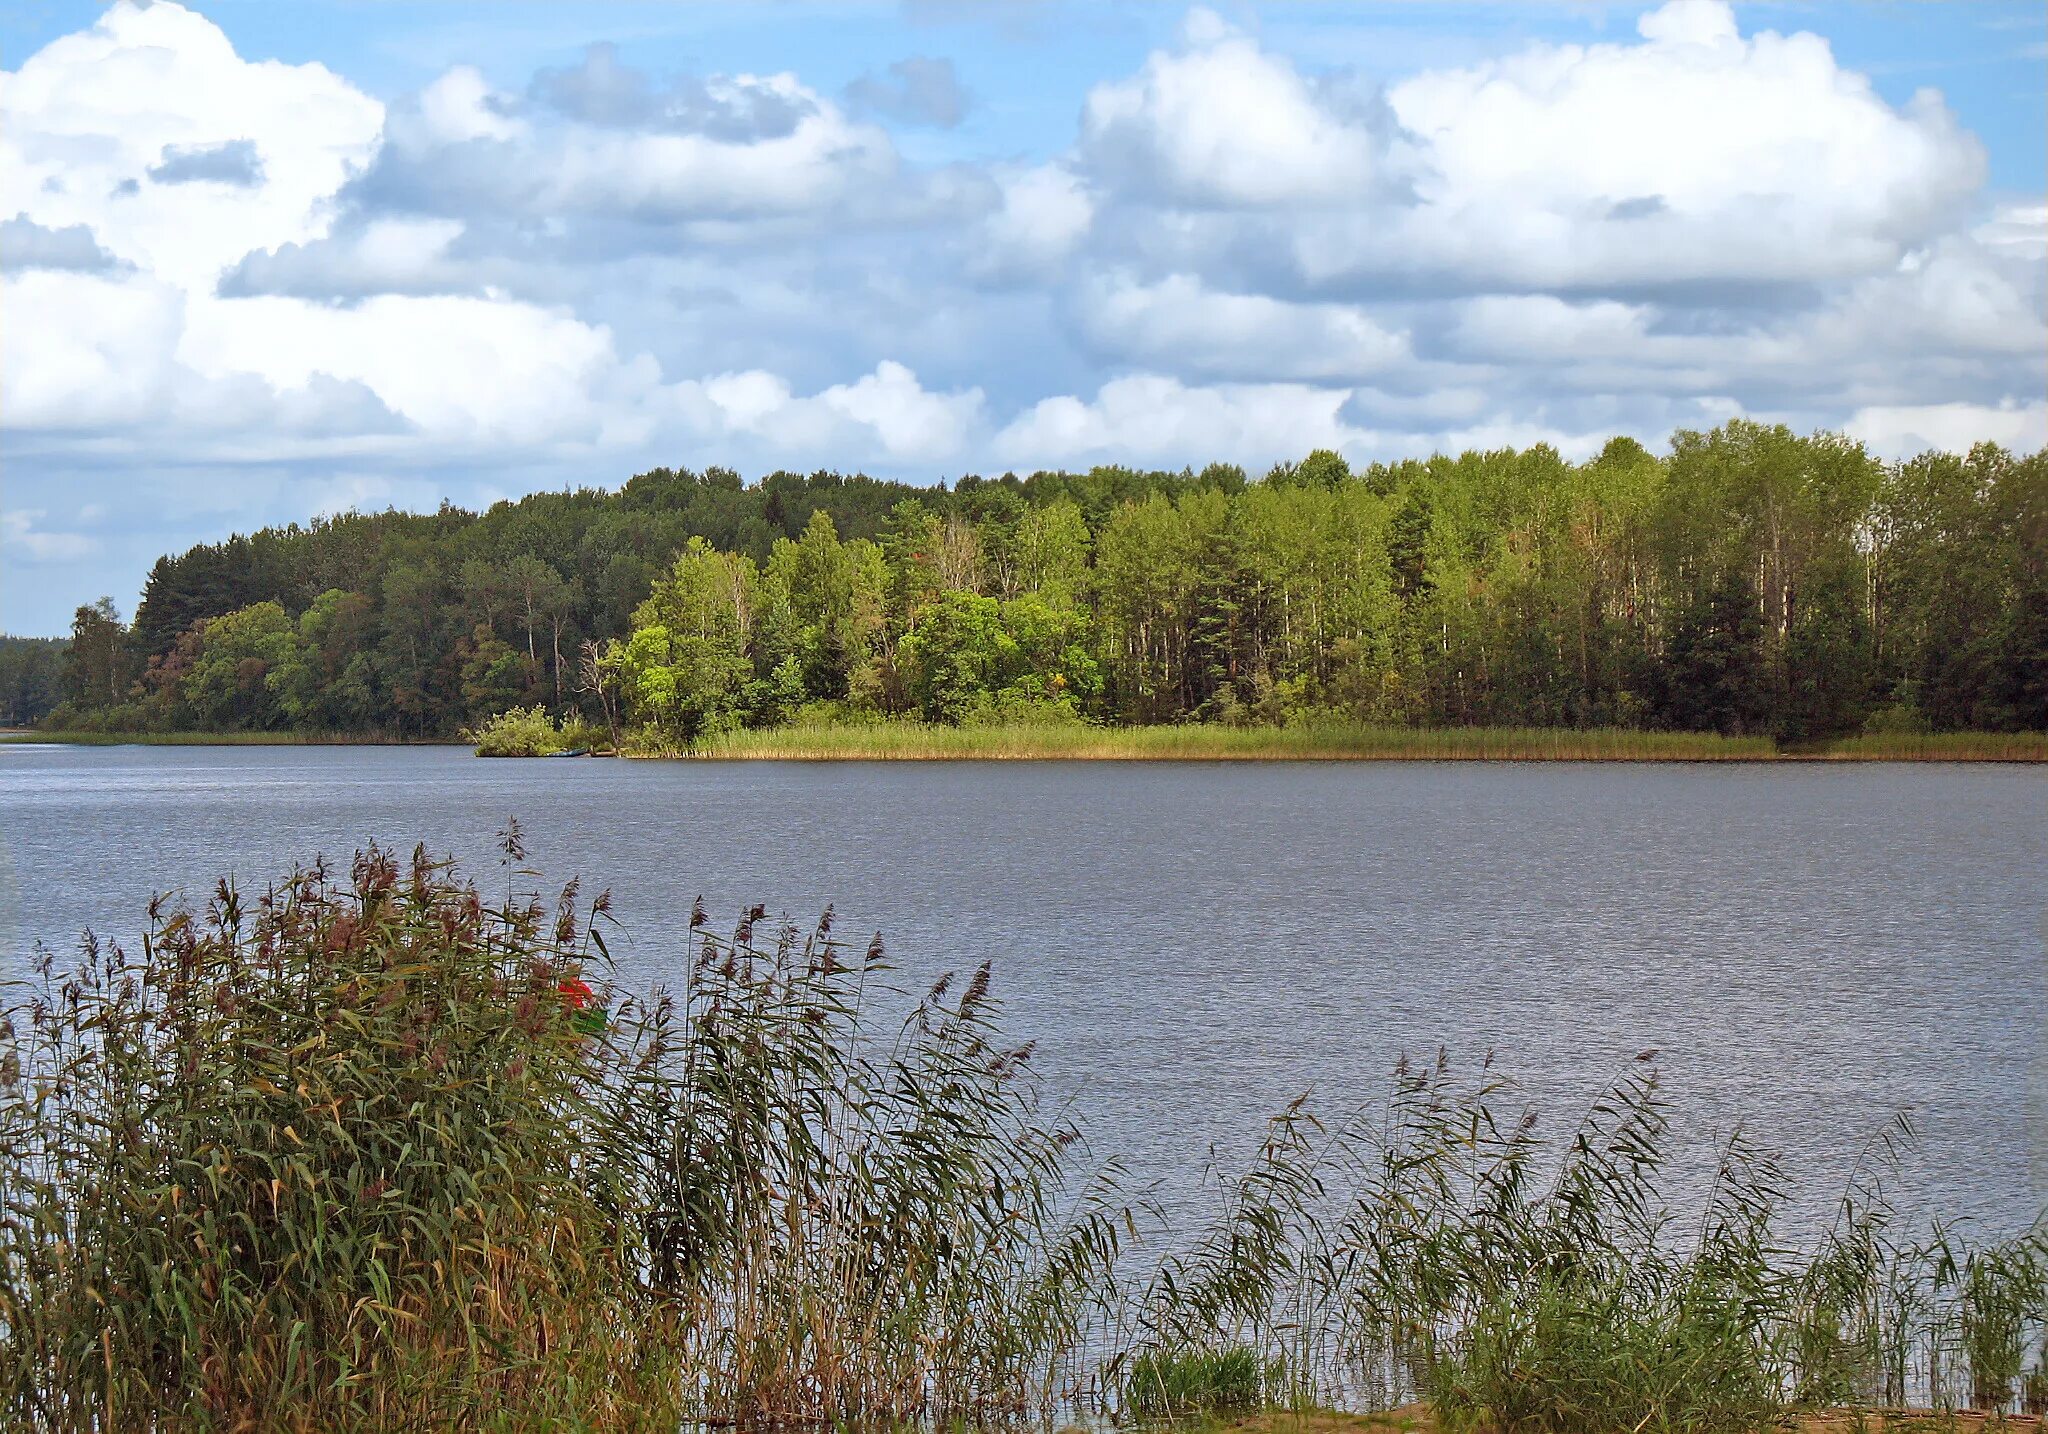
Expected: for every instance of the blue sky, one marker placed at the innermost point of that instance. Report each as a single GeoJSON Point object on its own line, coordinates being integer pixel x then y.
{"type": "Point", "coordinates": [264, 261]}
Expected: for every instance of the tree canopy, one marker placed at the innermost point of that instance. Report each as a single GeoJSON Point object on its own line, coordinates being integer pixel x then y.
{"type": "Point", "coordinates": [1750, 581]}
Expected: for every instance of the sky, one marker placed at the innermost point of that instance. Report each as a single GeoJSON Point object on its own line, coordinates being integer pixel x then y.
{"type": "Point", "coordinates": [260, 262]}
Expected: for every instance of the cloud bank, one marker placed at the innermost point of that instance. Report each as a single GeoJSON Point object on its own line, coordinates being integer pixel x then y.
{"type": "Point", "coordinates": [256, 279]}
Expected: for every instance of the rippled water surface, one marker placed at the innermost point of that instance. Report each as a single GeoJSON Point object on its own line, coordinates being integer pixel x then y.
{"type": "Point", "coordinates": [1809, 947]}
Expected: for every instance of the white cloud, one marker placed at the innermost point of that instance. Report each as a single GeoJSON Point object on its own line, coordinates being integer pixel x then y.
{"type": "Point", "coordinates": [1179, 322]}
{"type": "Point", "coordinates": [89, 115]}
{"type": "Point", "coordinates": [1222, 122]}
{"type": "Point", "coordinates": [758, 146]}
{"type": "Point", "coordinates": [1169, 422]}
{"type": "Point", "coordinates": [886, 414]}
{"type": "Point", "coordinates": [82, 350]}
{"type": "Point", "coordinates": [459, 107]}
{"type": "Point", "coordinates": [383, 256]}
{"type": "Point", "coordinates": [458, 368]}
{"type": "Point", "coordinates": [1902, 431]}
{"type": "Point", "coordinates": [2018, 231]}
{"type": "Point", "coordinates": [1694, 155]}
{"type": "Point", "coordinates": [1044, 212]}
{"type": "Point", "coordinates": [21, 531]}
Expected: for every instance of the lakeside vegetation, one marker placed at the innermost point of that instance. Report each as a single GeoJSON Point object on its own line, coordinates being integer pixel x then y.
{"type": "Point", "coordinates": [31, 678]}
{"type": "Point", "coordinates": [914, 741]}
{"type": "Point", "coordinates": [1936, 747]}
{"type": "Point", "coordinates": [1751, 583]}
{"type": "Point", "coordinates": [350, 1153]}
{"type": "Point", "coordinates": [39, 735]}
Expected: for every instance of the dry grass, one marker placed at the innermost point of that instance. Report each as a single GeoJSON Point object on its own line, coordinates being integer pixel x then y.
{"type": "Point", "coordinates": [1936, 747]}
{"type": "Point", "coordinates": [919, 741]}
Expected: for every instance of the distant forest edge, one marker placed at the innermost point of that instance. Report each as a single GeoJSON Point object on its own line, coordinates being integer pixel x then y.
{"type": "Point", "coordinates": [1752, 582]}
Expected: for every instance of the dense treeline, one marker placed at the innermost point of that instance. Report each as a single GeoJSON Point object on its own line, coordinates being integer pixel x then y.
{"type": "Point", "coordinates": [31, 674]}
{"type": "Point", "coordinates": [1752, 581]}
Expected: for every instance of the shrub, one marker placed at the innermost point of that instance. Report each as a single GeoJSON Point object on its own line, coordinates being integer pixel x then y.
{"type": "Point", "coordinates": [520, 732]}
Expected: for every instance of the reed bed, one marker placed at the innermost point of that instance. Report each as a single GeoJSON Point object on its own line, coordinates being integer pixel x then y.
{"type": "Point", "coordinates": [352, 1155]}
{"type": "Point", "coordinates": [345, 1157]}
{"type": "Point", "coordinates": [919, 741]}
{"type": "Point", "coordinates": [1436, 1249]}
{"type": "Point", "coordinates": [1938, 747]}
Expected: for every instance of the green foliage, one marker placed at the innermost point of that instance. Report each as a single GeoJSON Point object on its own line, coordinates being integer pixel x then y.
{"type": "Point", "coordinates": [520, 732]}
{"type": "Point", "coordinates": [355, 1155]}
{"type": "Point", "coordinates": [1559, 1359]}
{"type": "Point", "coordinates": [349, 1157]}
{"type": "Point", "coordinates": [1191, 1382]}
{"type": "Point", "coordinates": [243, 660]}
{"type": "Point", "coordinates": [1751, 582]}
{"type": "Point", "coordinates": [332, 1159]}
{"type": "Point", "coordinates": [31, 678]}
{"type": "Point", "coordinates": [1437, 1249]}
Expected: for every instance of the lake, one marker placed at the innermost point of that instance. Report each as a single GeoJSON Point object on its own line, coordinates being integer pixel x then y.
{"type": "Point", "coordinates": [1809, 947]}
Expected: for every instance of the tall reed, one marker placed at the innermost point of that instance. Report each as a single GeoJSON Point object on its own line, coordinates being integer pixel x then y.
{"type": "Point", "coordinates": [350, 1156]}
{"type": "Point", "coordinates": [920, 741]}
{"type": "Point", "coordinates": [1438, 1249]}
{"type": "Point", "coordinates": [345, 1157]}
{"type": "Point", "coordinates": [330, 1158]}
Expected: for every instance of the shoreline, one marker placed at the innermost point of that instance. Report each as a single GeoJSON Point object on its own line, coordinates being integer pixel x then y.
{"type": "Point", "coordinates": [29, 737]}
{"type": "Point", "coordinates": [1334, 743]}
{"type": "Point", "coordinates": [921, 742]}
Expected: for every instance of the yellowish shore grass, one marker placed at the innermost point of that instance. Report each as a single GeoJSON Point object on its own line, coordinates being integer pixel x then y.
{"type": "Point", "coordinates": [1936, 747]}
{"type": "Point", "coordinates": [918, 741]}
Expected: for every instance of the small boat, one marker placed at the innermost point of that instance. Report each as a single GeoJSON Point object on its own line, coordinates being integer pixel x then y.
{"type": "Point", "coordinates": [572, 752]}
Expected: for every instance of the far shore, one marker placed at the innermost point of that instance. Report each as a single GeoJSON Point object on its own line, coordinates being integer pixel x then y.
{"type": "Point", "coordinates": [26, 736]}
{"type": "Point", "coordinates": [913, 741]}
{"type": "Point", "coordinates": [906, 741]}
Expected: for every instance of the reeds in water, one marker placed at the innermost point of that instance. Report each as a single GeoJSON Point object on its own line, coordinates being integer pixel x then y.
{"type": "Point", "coordinates": [1437, 1250]}
{"type": "Point", "coordinates": [1938, 747]}
{"type": "Point", "coordinates": [345, 1157]}
{"type": "Point", "coordinates": [919, 741]}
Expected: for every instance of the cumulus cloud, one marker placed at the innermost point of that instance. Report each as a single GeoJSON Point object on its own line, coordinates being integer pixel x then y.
{"type": "Point", "coordinates": [887, 413]}
{"type": "Point", "coordinates": [919, 90]}
{"type": "Point", "coordinates": [25, 244]}
{"type": "Point", "coordinates": [1695, 156]}
{"type": "Point", "coordinates": [1901, 431]}
{"type": "Point", "coordinates": [601, 141]}
{"type": "Point", "coordinates": [1247, 336]}
{"type": "Point", "coordinates": [603, 92]}
{"type": "Point", "coordinates": [1044, 213]}
{"type": "Point", "coordinates": [381, 256]}
{"type": "Point", "coordinates": [236, 275]}
{"type": "Point", "coordinates": [1221, 122]}
{"type": "Point", "coordinates": [1173, 422]}
{"type": "Point", "coordinates": [152, 85]}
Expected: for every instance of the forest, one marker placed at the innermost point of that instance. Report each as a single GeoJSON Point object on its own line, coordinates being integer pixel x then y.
{"type": "Point", "coordinates": [31, 675]}
{"type": "Point", "coordinates": [1750, 581]}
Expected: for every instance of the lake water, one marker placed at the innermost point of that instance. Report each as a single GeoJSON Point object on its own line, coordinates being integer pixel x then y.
{"type": "Point", "coordinates": [1810, 948]}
